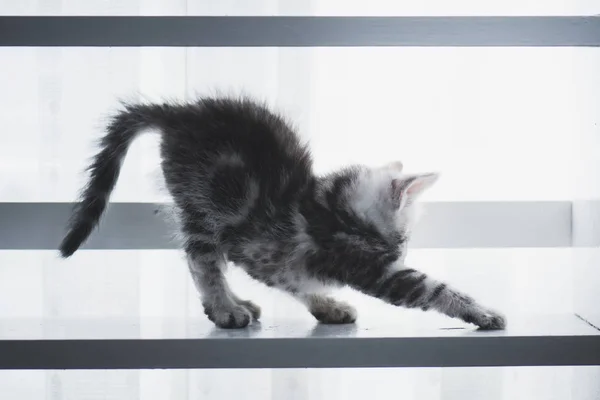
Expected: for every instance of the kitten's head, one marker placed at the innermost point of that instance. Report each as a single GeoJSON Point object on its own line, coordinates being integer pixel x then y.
{"type": "Point", "coordinates": [388, 198]}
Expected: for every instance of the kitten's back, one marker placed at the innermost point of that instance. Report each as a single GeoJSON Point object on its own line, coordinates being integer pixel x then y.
{"type": "Point", "coordinates": [224, 160]}
{"type": "Point", "coordinates": [230, 160]}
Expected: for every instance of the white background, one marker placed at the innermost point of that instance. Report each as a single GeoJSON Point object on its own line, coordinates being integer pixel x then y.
{"type": "Point", "coordinates": [292, 7]}
{"type": "Point", "coordinates": [499, 123]}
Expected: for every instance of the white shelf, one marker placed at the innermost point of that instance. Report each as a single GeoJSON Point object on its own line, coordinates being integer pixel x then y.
{"type": "Point", "coordinates": [195, 343]}
{"type": "Point", "coordinates": [40, 226]}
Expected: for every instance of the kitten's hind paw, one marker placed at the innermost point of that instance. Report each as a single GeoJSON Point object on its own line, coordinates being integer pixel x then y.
{"type": "Point", "coordinates": [235, 317]}
{"type": "Point", "coordinates": [334, 312]}
{"type": "Point", "coordinates": [488, 320]}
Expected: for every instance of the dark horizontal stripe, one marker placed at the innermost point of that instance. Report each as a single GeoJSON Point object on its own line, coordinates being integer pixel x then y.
{"type": "Point", "coordinates": [40, 226]}
{"type": "Point", "coordinates": [298, 31]}
{"type": "Point", "coordinates": [415, 295]}
{"type": "Point", "coordinates": [386, 288]}
{"type": "Point", "coordinates": [436, 293]}
{"type": "Point", "coordinates": [301, 353]}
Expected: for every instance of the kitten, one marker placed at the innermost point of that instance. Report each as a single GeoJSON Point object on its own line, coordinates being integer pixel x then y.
{"type": "Point", "coordinates": [244, 191]}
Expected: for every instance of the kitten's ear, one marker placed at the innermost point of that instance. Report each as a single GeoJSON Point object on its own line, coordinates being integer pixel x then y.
{"type": "Point", "coordinates": [396, 166]}
{"type": "Point", "coordinates": [420, 183]}
{"type": "Point", "coordinates": [409, 187]}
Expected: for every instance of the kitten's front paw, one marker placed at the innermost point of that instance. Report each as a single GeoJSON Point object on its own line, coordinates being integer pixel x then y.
{"type": "Point", "coordinates": [235, 317]}
{"type": "Point", "coordinates": [488, 320]}
{"type": "Point", "coordinates": [334, 312]}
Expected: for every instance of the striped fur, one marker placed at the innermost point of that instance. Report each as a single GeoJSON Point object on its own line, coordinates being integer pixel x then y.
{"type": "Point", "coordinates": [244, 191]}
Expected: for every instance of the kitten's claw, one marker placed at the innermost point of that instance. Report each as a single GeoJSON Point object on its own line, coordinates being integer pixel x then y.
{"type": "Point", "coordinates": [228, 318]}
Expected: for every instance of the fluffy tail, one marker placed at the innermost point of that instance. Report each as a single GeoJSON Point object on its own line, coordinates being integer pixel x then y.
{"type": "Point", "coordinates": [105, 169]}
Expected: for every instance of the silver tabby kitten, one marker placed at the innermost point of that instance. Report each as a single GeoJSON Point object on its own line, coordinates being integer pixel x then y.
{"type": "Point", "coordinates": [244, 190]}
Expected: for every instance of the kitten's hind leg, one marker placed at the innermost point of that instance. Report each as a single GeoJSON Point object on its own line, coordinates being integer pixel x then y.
{"type": "Point", "coordinates": [328, 310]}
{"type": "Point", "coordinates": [220, 304]}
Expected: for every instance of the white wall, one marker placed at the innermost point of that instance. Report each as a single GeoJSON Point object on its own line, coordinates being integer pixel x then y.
{"type": "Point", "coordinates": [586, 206]}
{"type": "Point", "coordinates": [499, 123]}
{"type": "Point", "coordinates": [547, 383]}
{"type": "Point", "coordinates": [293, 7]}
